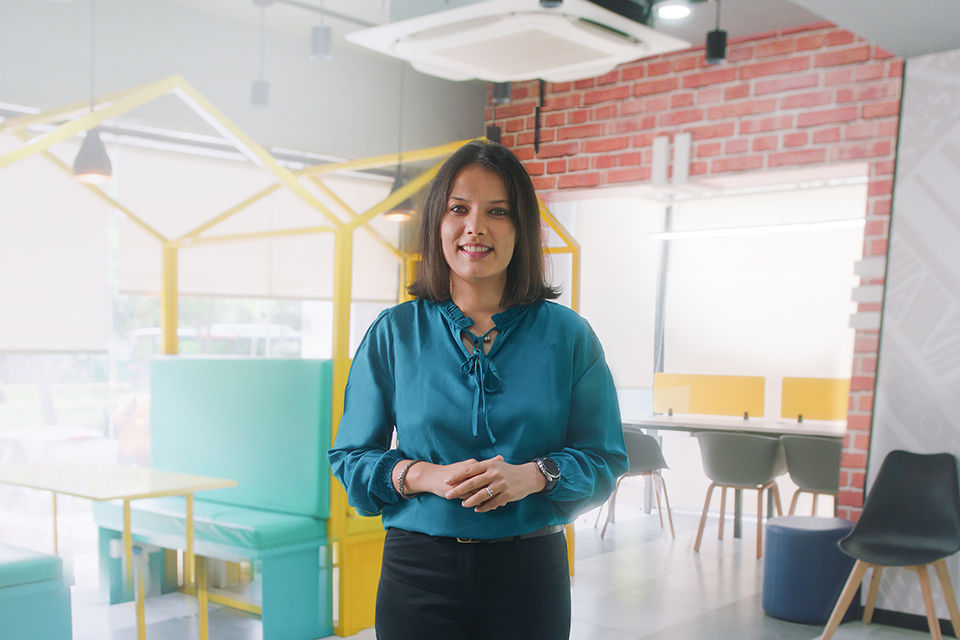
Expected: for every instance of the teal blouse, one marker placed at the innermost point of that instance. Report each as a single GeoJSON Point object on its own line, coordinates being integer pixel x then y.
{"type": "Point", "coordinates": [544, 389]}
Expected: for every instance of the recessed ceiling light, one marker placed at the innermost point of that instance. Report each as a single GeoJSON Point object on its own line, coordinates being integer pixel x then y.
{"type": "Point", "coordinates": [673, 11]}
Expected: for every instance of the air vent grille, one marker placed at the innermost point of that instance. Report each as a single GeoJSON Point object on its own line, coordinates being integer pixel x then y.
{"type": "Point", "coordinates": [505, 40]}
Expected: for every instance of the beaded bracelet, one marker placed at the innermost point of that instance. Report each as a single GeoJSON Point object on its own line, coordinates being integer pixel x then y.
{"type": "Point", "coordinates": [403, 476]}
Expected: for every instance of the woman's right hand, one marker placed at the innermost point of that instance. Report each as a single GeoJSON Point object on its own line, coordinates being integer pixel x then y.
{"type": "Point", "coordinates": [426, 477]}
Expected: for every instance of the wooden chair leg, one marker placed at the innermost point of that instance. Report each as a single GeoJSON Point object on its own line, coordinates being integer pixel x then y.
{"type": "Point", "coordinates": [932, 621]}
{"type": "Point", "coordinates": [760, 522]}
{"type": "Point", "coordinates": [793, 501]}
{"type": "Point", "coordinates": [611, 507]}
{"type": "Point", "coordinates": [846, 596]}
{"type": "Point", "coordinates": [723, 511]}
{"type": "Point", "coordinates": [703, 517]}
{"type": "Point", "coordinates": [656, 494]}
{"type": "Point", "coordinates": [666, 500]}
{"type": "Point", "coordinates": [943, 576]}
{"type": "Point", "coordinates": [776, 497]}
{"type": "Point", "coordinates": [872, 594]}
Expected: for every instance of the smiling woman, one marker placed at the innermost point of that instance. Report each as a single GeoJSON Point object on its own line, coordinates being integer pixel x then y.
{"type": "Point", "coordinates": [506, 419]}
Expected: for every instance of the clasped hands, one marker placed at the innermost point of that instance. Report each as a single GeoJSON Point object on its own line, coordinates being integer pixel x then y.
{"type": "Point", "coordinates": [483, 485]}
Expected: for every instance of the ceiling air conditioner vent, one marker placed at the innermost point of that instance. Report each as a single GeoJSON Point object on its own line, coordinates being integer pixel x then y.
{"type": "Point", "coordinates": [506, 40]}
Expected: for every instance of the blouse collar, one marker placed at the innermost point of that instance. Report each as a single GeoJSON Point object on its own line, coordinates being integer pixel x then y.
{"type": "Point", "coordinates": [500, 320]}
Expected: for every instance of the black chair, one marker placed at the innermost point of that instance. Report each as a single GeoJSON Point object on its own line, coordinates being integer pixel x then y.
{"type": "Point", "coordinates": [814, 466]}
{"type": "Point", "coordinates": [646, 459]}
{"type": "Point", "coordinates": [911, 518]}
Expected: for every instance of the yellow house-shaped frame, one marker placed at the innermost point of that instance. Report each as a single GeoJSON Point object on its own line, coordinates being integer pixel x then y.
{"type": "Point", "coordinates": [357, 541]}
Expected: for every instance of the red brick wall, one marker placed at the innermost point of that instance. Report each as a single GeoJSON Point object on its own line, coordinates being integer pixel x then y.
{"type": "Point", "coordinates": [797, 97]}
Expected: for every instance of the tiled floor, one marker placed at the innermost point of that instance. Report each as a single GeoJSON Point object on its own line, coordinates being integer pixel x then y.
{"type": "Point", "coordinates": [636, 583]}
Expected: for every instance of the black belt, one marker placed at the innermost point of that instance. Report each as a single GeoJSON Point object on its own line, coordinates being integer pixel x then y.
{"type": "Point", "coordinates": [545, 531]}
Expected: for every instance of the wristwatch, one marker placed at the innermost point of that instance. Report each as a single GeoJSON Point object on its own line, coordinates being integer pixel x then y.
{"type": "Point", "coordinates": [550, 470]}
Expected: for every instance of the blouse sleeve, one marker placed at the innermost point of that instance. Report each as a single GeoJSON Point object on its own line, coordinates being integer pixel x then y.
{"type": "Point", "coordinates": [361, 458]}
{"type": "Point", "coordinates": [595, 455]}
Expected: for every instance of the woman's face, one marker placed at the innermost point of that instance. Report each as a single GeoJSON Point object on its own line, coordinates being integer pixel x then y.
{"type": "Point", "coordinates": [476, 232]}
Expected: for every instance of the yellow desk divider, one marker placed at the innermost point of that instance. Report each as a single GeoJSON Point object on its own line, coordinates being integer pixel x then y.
{"type": "Point", "coordinates": [708, 394]}
{"type": "Point", "coordinates": [815, 398]}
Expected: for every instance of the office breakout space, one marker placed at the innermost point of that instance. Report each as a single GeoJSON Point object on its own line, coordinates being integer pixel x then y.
{"type": "Point", "coordinates": [589, 123]}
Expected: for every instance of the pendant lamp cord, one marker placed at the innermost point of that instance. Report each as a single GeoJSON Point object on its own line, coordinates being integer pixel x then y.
{"type": "Point", "coordinates": [403, 69]}
{"type": "Point", "coordinates": [263, 36]}
{"type": "Point", "coordinates": [92, 40]}
{"type": "Point", "coordinates": [718, 15]}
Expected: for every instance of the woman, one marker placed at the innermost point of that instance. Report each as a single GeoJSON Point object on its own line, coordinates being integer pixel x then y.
{"type": "Point", "coordinates": [506, 419]}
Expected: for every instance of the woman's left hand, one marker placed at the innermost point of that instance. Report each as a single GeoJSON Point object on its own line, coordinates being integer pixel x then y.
{"type": "Point", "coordinates": [492, 483]}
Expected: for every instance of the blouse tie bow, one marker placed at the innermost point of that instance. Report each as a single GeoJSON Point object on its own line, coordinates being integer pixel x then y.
{"type": "Point", "coordinates": [486, 380]}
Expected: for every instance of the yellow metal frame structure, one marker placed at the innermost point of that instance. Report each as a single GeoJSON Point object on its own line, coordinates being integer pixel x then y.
{"type": "Point", "coordinates": [357, 540]}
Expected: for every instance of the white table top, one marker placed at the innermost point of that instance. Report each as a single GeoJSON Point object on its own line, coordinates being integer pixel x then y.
{"type": "Point", "coordinates": [831, 429]}
{"type": "Point", "coordinates": [106, 481]}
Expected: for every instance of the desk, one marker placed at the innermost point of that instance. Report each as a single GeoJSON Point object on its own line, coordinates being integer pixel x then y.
{"type": "Point", "coordinates": [117, 482]}
{"type": "Point", "coordinates": [757, 426]}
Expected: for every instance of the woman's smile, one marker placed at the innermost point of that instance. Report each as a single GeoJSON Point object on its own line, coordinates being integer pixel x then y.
{"type": "Point", "coordinates": [476, 250]}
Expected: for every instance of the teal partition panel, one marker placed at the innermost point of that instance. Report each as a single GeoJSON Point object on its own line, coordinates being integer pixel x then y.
{"type": "Point", "coordinates": [262, 422]}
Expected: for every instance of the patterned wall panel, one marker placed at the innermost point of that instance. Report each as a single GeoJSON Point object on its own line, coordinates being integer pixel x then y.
{"type": "Point", "coordinates": [918, 380]}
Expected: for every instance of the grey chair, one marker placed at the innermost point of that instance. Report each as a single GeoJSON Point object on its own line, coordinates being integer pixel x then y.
{"type": "Point", "coordinates": [646, 459]}
{"type": "Point", "coordinates": [740, 461]}
{"type": "Point", "coordinates": [814, 466]}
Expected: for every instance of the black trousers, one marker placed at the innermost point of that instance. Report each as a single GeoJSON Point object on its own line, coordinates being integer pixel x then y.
{"type": "Point", "coordinates": [439, 588]}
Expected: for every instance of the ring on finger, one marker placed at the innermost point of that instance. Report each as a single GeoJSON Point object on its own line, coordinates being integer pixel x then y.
{"type": "Point", "coordinates": [489, 491]}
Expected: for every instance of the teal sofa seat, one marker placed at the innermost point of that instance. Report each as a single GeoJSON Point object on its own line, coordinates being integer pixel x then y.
{"type": "Point", "coordinates": [220, 531]}
{"type": "Point", "coordinates": [264, 423]}
{"type": "Point", "coordinates": [34, 596]}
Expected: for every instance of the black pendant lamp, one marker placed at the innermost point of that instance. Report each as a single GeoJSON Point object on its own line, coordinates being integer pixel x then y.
{"type": "Point", "coordinates": [406, 209]}
{"type": "Point", "coordinates": [92, 164]}
{"type": "Point", "coordinates": [716, 49]}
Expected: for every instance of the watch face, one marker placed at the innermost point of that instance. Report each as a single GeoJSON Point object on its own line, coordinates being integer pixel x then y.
{"type": "Point", "coordinates": [552, 468]}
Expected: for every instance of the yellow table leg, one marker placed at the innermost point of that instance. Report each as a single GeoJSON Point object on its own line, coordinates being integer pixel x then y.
{"type": "Point", "coordinates": [55, 542]}
{"type": "Point", "coordinates": [127, 545]}
{"type": "Point", "coordinates": [190, 568]}
{"type": "Point", "coordinates": [202, 595]}
{"type": "Point", "coordinates": [139, 596]}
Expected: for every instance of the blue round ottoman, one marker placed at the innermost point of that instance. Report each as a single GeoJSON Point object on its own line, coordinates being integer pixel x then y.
{"type": "Point", "coordinates": [803, 570]}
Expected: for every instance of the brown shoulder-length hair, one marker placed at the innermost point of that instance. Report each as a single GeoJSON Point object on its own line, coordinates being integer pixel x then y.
{"type": "Point", "coordinates": [526, 282]}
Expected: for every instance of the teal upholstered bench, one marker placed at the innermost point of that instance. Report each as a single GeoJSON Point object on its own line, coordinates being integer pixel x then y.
{"type": "Point", "coordinates": [266, 424]}
{"type": "Point", "coordinates": [34, 596]}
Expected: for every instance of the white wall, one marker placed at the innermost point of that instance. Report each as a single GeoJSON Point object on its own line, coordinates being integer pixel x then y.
{"type": "Point", "coordinates": [918, 376]}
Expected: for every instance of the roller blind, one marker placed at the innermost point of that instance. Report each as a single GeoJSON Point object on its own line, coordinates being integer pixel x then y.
{"type": "Point", "coordinates": [53, 260]}
{"type": "Point", "coordinates": [175, 194]}
{"type": "Point", "coordinates": [762, 302]}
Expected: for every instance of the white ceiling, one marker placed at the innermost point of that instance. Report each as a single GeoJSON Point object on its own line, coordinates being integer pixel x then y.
{"type": "Point", "coordinates": [346, 107]}
{"type": "Point", "coordinates": [905, 29]}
